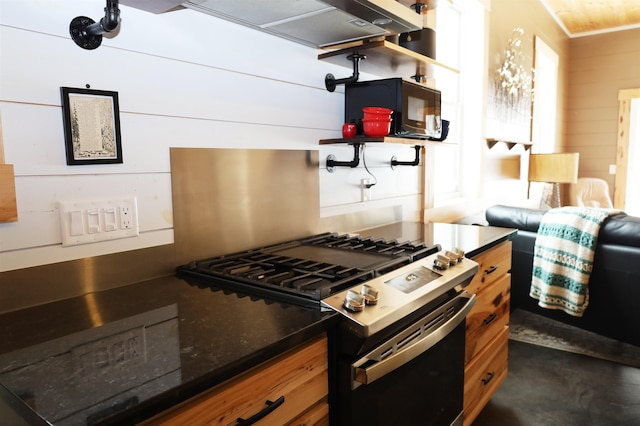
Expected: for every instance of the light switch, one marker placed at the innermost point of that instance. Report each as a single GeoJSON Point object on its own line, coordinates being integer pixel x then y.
{"type": "Point", "coordinates": [110, 219]}
{"type": "Point", "coordinates": [76, 226]}
{"type": "Point", "coordinates": [93, 221]}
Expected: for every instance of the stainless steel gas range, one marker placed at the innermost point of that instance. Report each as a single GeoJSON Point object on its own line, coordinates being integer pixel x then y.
{"type": "Point", "coordinates": [402, 305]}
{"type": "Point", "coordinates": [251, 220]}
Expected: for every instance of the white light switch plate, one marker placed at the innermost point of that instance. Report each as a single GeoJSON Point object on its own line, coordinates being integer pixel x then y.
{"type": "Point", "coordinates": [91, 221]}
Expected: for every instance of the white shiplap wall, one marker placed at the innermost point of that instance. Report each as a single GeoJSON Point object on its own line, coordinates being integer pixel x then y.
{"type": "Point", "coordinates": [184, 80]}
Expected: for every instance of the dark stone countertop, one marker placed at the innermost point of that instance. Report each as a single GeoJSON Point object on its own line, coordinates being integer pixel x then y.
{"type": "Point", "coordinates": [123, 355]}
{"type": "Point", "coordinates": [131, 352]}
{"type": "Point", "coordinates": [470, 238]}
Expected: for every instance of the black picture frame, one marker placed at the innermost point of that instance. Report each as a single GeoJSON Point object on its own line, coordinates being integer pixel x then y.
{"type": "Point", "coordinates": [91, 126]}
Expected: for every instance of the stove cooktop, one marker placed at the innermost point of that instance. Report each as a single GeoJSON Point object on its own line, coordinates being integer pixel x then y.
{"type": "Point", "coordinates": [304, 271]}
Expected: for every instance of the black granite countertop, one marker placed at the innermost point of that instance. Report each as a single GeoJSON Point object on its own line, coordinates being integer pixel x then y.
{"type": "Point", "coordinates": [123, 355]}
{"type": "Point", "coordinates": [131, 352]}
{"type": "Point", "coordinates": [470, 238]}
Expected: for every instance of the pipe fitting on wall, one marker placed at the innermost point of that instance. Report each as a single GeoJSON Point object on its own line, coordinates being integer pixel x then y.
{"type": "Point", "coordinates": [332, 163]}
{"type": "Point", "coordinates": [87, 33]}
{"type": "Point", "coordinates": [415, 162]}
{"type": "Point", "coordinates": [330, 82]}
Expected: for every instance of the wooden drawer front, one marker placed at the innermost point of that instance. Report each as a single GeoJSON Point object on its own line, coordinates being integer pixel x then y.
{"type": "Point", "coordinates": [493, 264]}
{"type": "Point", "coordinates": [300, 376]}
{"type": "Point", "coordinates": [488, 317]}
{"type": "Point", "coordinates": [484, 374]}
{"type": "Point", "coordinates": [316, 416]}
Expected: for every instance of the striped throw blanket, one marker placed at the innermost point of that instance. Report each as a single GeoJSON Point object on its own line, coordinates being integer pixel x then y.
{"type": "Point", "coordinates": [563, 257]}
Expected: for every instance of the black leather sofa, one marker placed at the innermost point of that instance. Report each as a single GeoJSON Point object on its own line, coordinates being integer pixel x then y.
{"type": "Point", "coordinates": [614, 285]}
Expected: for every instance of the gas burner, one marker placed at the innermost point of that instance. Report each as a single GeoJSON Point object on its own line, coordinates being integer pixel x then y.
{"type": "Point", "coordinates": [309, 269]}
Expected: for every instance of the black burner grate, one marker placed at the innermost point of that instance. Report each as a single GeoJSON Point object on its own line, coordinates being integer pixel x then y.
{"type": "Point", "coordinates": [308, 270]}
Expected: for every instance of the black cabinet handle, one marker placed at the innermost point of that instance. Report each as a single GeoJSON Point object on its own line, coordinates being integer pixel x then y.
{"type": "Point", "coordinates": [489, 377]}
{"type": "Point", "coordinates": [271, 406]}
{"type": "Point", "coordinates": [490, 269]}
{"type": "Point", "coordinates": [488, 320]}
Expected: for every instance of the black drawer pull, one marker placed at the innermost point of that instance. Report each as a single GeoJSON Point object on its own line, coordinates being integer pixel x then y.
{"type": "Point", "coordinates": [488, 320]}
{"type": "Point", "coordinates": [271, 406]}
{"type": "Point", "coordinates": [489, 377]}
{"type": "Point", "coordinates": [490, 269]}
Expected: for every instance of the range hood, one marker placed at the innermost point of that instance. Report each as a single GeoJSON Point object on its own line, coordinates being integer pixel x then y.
{"type": "Point", "coordinates": [315, 23]}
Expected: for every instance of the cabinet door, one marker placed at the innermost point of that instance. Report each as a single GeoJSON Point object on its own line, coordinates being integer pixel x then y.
{"type": "Point", "coordinates": [295, 381]}
{"type": "Point", "coordinates": [318, 415]}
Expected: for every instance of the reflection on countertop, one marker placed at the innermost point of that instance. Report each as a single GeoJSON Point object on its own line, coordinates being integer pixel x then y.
{"type": "Point", "coordinates": [123, 355]}
{"type": "Point", "coordinates": [470, 238]}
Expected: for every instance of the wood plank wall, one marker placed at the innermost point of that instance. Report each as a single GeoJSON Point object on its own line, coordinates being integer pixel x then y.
{"type": "Point", "coordinates": [506, 170]}
{"type": "Point", "coordinates": [600, 65]}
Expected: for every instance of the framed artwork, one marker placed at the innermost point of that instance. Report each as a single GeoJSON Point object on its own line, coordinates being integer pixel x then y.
{"type": "Point", "coordinates": [91, 126]}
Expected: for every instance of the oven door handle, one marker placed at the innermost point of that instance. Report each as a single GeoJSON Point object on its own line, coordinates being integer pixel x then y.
{"type": "Point", "coordinates": [369, 368]}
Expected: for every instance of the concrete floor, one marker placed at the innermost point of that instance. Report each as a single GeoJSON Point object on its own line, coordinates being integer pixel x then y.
{"type": "Point", "coordinates": [546, 387]}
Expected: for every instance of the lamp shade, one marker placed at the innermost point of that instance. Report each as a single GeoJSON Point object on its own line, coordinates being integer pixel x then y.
{"type": "Point", "coordinates": [559, 167]}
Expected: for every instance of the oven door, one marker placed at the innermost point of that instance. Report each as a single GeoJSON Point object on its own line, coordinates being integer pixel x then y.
{"type": "Point", "coordinates": [414, 378]}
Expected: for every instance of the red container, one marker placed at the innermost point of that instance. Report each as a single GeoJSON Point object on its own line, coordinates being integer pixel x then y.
{"type": "Point", "coordinates": [377, 113]}
{"type": "Point", "coordinates": [349, 130]}
{"type": "Point", "coordinates": [376, 128]}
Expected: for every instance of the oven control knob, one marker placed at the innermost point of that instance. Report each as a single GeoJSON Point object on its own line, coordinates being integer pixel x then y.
{"type": "Point", "coordinates": [454, 256]}
{"type": "Point", "coordinates": [354, 301]}
{"type": "Point", "coordinates": [441, 262]}
{"type": "Point", "coordinates": [370, 294]}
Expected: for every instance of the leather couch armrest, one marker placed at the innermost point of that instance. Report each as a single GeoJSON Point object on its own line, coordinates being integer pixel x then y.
{"type": "Point", "coordinates": [514, 217]}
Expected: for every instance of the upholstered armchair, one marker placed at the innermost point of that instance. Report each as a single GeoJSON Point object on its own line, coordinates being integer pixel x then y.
{"type": "Point", "coordinates": [590, 192]}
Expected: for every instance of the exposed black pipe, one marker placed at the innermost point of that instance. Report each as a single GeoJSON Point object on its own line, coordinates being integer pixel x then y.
{"type": "Point", "coordinates": [419, 7]}
{"type": "Point", "coordinates": [330, 82]}
{"type": "Point", "coordinates": [331, 162]}
{"type": "Point", "coordinates": [87, 33]}
{"type": "Point", "coordinates": [415, 162]}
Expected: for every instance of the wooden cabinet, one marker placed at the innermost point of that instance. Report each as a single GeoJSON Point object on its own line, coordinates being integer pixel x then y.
{"type": "Point", "coordinates": [295, 382]}
{"type": "Point", "coordinates": [487, 329]}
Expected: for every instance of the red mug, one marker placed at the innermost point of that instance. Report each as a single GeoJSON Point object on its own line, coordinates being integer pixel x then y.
{"type": "Point", "coordinates": [349, 130]}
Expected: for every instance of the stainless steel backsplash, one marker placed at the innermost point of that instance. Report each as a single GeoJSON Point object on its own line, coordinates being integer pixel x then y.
{"type": "Point", "coordinates": [228, 200]}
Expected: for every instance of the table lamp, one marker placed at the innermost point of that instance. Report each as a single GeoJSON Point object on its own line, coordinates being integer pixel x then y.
{"type": "Point", "coordinates": [556, 168]}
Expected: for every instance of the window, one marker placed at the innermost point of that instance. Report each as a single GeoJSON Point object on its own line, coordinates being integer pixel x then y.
{"type": "Point", "coordinates": [543, 132]}
{"type": "Point", "coordinates": [460, 43]}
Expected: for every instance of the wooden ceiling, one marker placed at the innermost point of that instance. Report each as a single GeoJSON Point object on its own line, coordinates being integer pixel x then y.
{"type": "Point", "coordinates": [584, 17]}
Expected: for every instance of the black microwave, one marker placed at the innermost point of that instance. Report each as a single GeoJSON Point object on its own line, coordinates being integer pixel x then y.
{"type": "Point", "coordinates": [416, 108]}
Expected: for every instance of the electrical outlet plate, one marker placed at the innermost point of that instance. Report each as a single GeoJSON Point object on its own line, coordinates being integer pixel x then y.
{"type": "Point", "coordinates": [91, 221]}
{"type": "Point", "coordinates": [366, 189]}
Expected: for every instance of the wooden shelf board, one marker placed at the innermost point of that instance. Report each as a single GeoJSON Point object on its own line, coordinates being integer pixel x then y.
{"type": "Point", "coordinates": [384, 58]}
{"type": "Point", "coordinates": [386, 139]}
